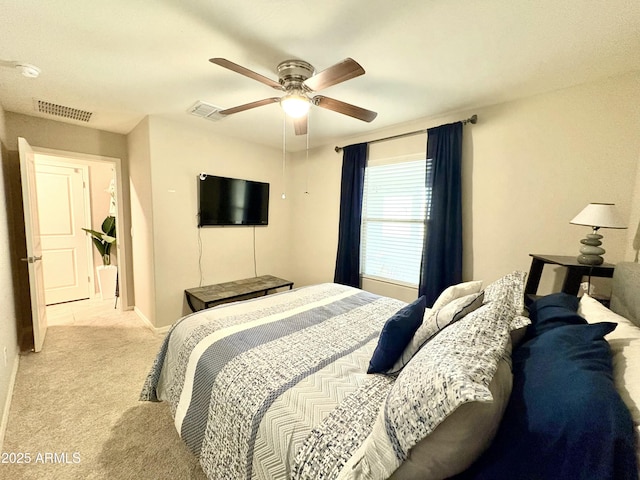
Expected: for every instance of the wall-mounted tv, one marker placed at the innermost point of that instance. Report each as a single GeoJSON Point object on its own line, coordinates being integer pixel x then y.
{"type": "Point", "coordinates": [232, 201]}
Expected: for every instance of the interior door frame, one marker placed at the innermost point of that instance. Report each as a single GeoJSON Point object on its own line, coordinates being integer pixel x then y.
{"type": "Point", "coordinates": [120, 245]}
{"type": "Point", "coordinates": [33, 244]}
{"type": "Point", "coordinates": [86, 197]}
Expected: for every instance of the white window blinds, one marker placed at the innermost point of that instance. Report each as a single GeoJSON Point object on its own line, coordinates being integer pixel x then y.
{"type": "Point", "coordinates": [393, 221]}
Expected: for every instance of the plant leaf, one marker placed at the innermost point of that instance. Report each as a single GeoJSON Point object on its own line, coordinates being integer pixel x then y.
{"type": "Point", "coordinates": [109, 226]}
{"type": "Point", "coordinates": [99, 245]}
{"type": "Point", "coordinates": [94, 233]}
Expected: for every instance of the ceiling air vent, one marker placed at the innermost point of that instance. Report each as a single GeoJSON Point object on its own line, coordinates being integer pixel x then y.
{"type": "Point", "coordinates": [205, 110]}
{"type": "Point", "coordinates": [62, 111]}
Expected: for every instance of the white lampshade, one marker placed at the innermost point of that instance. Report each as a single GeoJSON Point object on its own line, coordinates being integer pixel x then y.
{"type": "Point", "coordinates": [295, 104]}
{"type": "Point", "coordinates": [599, 215]}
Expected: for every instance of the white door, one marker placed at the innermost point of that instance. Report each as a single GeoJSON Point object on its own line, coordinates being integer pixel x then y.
{"type": "Point", "coordinates": [61, 207]}
{"type": "Point", "coordinates": [34, 247]}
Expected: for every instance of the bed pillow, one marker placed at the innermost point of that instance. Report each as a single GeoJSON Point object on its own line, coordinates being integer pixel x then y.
{"type": "Point", "coordinates": [434, 321]}
{"type": "Point", "coordinates": [455, 368]}
{"type": "Point", "coordinates": [565, 418]}
{"type": "Point", "coordinates": [462, 437]}
{"type": "Point", "coordinates": [456, 291]}
{"type": "Point", "coordinates": [553, 311]}
{"type": "Point", "coordinates": [509, 289]}
{"type": "Point", "coordinates": [625, 351]}
{"type": "Point", "coordinates": [396, 334]}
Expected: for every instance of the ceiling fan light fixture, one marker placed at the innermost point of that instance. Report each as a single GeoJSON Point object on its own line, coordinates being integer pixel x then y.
{"type": "Point", "coordinates": [295, 104]}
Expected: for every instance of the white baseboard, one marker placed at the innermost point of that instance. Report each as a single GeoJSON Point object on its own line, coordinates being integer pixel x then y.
{"type": "Point", "coordinates": [7, 403]}
{"type": "Point", "coordinates": [150, 326]}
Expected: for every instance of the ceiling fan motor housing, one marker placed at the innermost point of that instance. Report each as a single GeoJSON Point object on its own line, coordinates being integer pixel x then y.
{"type": "Point", "coordinates": [291, 73]}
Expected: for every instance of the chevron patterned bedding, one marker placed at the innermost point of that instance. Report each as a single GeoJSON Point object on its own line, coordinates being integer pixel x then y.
{"type": "Point", "coordinates": [252, 384]}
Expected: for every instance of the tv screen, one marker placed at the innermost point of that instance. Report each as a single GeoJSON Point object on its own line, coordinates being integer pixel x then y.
{"type": "Point", "coordinates": [232, 201]}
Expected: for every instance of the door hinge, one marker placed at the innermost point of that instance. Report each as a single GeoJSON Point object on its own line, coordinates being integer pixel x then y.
{"type": "Point", "coordinates": [88, 279]}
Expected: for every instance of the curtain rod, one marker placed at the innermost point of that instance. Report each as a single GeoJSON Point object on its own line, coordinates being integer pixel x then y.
{"type": "Point", "coordinates": [473, 119]}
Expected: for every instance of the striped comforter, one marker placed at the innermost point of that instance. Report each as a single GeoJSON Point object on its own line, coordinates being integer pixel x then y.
{"type": "Point", "coordinates": [275, 387]}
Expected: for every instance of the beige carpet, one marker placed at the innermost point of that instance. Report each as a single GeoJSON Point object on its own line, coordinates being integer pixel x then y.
{"type": "Point", "coordinates": [78, 399]}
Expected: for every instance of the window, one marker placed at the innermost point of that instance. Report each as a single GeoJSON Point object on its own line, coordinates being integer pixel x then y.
{"type": "Point", "coordinates": [393, 220]}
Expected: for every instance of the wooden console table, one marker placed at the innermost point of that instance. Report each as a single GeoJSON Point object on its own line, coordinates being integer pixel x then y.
{"type": "Point", "coordinates": [200, 298]}
{"type": "Point", "coordinates": [573, 277]}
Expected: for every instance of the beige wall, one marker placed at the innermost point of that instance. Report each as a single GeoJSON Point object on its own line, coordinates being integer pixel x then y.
{"type": "Point", "coordinates": [178, 153]}
{"type": "Point", "coordinates": [100, 176]}
{"type": "Point", "coordinates": [142, 219]}
{"type": "Point", "coordinates": [8, 331]}
{"type": "Point", "coordinates": [50, 134]}
{"type": "Point", "coordinates": [529, 167]}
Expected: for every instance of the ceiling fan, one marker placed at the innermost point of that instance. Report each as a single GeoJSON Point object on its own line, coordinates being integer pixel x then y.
{"type": "Point", "coordinates": [298, 79]}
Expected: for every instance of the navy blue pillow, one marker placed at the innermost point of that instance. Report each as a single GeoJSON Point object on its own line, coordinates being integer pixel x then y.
{"type": "Point", "coordinates": [396, 335]}
{"type": "Point", "coordinates": [553, 311]}
{"type": "Point", "coordinates": [565, 419]}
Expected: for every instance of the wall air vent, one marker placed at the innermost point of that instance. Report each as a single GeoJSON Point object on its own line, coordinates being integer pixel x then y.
{"type": "Point", "coordinates": [62, 111]}
{"type": "Point", "coordinates": [206, 110]}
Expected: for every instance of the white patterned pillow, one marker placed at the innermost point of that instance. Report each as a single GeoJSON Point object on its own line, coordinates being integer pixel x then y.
{"type": "Point", "coordinates": [455, 368]}
{"type": "Point", "coordinates": [510, 289]}
{"type": "Point", "coordinates": [456, 291]}
{"type": "Point", "coordinates": [461, 437]}
{"type": "Point", "coordinates": [434, 321]}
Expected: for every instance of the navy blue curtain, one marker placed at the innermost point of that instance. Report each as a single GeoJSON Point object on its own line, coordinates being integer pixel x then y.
{"type": "Point", "coordinates": [354, 160]}
{"type": "Point", "coordinates": [442, 251]}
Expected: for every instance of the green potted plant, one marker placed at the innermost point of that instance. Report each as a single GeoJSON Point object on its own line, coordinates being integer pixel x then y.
{"type": "Point", "coordinates": [103, 241]}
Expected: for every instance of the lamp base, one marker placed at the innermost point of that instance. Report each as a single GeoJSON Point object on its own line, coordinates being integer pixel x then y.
{"type": "Point", "coordinates": [590, 259]}
{"type": "Point", "coordinates": [591, 252]}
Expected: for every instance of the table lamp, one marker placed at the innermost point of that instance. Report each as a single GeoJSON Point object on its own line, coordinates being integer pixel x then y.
{"type": "Point", "coordinates": [596, 216]}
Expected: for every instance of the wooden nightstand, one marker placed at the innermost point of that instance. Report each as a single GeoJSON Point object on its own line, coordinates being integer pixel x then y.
{"type": "Point", "coordinates": [573, 277]}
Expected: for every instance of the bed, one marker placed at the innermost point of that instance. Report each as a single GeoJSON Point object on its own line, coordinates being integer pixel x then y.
{"type": "Point", "coordinates": [333, 382]}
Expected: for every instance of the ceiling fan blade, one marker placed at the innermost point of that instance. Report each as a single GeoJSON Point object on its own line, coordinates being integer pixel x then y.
{"type": "Point", "coordinates": [248, 106]}
{"type": "Point", "coordinates": [340, 72]}
{"type": "Point", "coordinates": [344, 108]}
{"type": "Point", "coordinates": [223, 62]}
{"type": "Point", "coordinates": [300, 125]}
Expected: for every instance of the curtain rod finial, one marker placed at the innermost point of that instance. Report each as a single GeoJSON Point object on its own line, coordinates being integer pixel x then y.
{"type": "Point", "coordinates": [473, 119]}
{"type": "Point", "coordinates": [337, 149]}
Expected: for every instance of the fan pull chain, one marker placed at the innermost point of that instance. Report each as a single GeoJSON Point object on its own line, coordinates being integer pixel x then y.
{"type": "Point", "coordinates": [284, 155]}
{"type": "Point", "coordinates": [306, 186]}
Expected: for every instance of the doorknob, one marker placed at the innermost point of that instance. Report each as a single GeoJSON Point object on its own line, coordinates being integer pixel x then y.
{"type": "Point", "coordinates": [31, 259]}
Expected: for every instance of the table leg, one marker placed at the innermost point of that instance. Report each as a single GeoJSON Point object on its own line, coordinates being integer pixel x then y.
{"type": "Point", "coordinates": [533, 280]}
{"type": "Point", "coordinates": [189, 303]}
{"type": "Point", "coordinates": [572, 280]}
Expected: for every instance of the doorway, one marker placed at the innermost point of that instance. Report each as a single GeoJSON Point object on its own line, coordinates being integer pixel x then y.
{"type": "Point", "coordinates": [104, 191]}
{"type": "Point", "coordinates": [33, 334]}
{"type": "Point", "coordinates": [72, 194]}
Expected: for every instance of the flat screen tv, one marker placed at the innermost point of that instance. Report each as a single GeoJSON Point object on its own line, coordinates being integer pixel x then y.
{"type": "Point", "coordinates": [232, 201]}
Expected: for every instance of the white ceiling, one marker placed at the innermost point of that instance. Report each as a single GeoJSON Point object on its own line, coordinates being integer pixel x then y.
{"type": "Point", "coordinates": [124, 59]}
